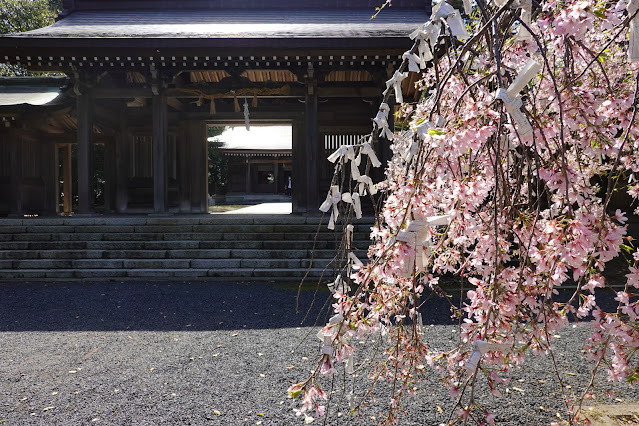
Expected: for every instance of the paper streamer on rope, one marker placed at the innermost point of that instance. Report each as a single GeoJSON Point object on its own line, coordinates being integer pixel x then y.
{"type": "Point", "coordinates": [444, 11]}
{"type": "Point", "coordinates": [480, 348]}
{"type": "Point", "coordinates": [381, 119]}
{"type": "Point", "coordinates": [247, 121]}
{"type": "Point", "coordinates": [395, 82]}
{"type": "Point", "coordinates": [526, 17]}
{"type": "Point", "coordinates": [332, 199]}
{"type": "Point", "coordinates": [512, 99]}
{"type": "Point", "coordinates": [633, 48]}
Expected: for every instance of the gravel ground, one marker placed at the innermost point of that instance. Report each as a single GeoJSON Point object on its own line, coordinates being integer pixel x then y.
{"type": "Point", "coordinates": [141, 353]}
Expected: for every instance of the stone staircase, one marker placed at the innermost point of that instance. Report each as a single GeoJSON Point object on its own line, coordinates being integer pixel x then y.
{"type": "Point", "coordinates": [238, 247]}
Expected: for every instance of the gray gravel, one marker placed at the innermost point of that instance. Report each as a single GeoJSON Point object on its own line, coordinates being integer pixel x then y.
{"type": "Point", "coordinates": [115, 353]}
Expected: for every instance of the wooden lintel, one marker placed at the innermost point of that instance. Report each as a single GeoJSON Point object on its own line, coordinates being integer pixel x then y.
{"type": "Point", "coordinates": [222, 91]}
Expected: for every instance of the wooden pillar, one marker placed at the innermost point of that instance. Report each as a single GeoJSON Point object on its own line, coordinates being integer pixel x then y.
{"type": "Point", "coordinates": [67, 177]}
{"type": "Point", "coordinates": [198, 161]}
{"type": "Point", "coordinates": [48, 166]}
{"type": "Point", "coordinates": [312, 148]}
{"type": "Point", "coordinates": [248, 175]}
{"type": "Point", "coordinates": [85, 153]}
{"type": "Point", "coordinates": [122, 155]}
{"type": "Point", "coordinates": [298, 174]}
{"type": "Point", "coordinates": [15, 208]}
{"type": "Point", "coordinates": [160, 176]}
{"type": "Point", "coordinates": [276, 176]}
{"type": "Point", "coordinates": [192, 173]}
{"type": "Point", "coordinates": [58, 178]}
{"type": "Point", "coordinates": [110, 175]}
{"type": "Point", "coordinates": [183, 175]}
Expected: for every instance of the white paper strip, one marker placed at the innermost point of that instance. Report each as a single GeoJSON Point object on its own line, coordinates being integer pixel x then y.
{"type": "Point", "coordinates": [357, 205]}
{"type": "Point", "coordinates": [413, 61]}
{"type": "Point", "coordinates": [427, 38]}
{"type": "Point", "coordinates": [513, 107]}
{"type": "Point", "coordinates": [480, 348]}
{"type": "Point", "coordinates": [438, 220]}
{"type": "Point", "coordinates": [396, 83]}
{"type": "Point", "coordinates": [355, 166]}
{"type": "Point", "coordinates": [345, 151]}
{"type": "Point", "coordinates": [468, 6]}
{"type": "Point", "coordinates": [349, 364]}
{"type": "Point", "coordinates": [368, 150]}
{"type": "Point", "coordinates": [366, 183]}
{"type": "Point", "coordinates": [381, 119]}
{"type": "Point", "coordinates": [512, 99]}
{"type": "Point", "coordinates": [332, 199]}
{"type": "Point", "coordinates": [633, 48]}
{"type": "Point", "coordinates": [349, 235]}
{"type": "Point", "coordinates": [526, 17]}
{"type": "Point", "coordinates": [336, 319]}
{"type": "Point", "coordinates": [339, 285]}
{"type": "Point", "coordinates": [528, 72]}
{"type": "Point", "coordinates": [353, 258]}
{"type": "Point", "coordinates": [444, 11]}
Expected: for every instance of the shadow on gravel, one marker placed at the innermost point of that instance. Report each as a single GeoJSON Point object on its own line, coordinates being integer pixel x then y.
{"type": "Point", "coordinates": [135, 305]}
{"type": "Point", "coordinates": [179, 306]}
{"type": "Point", "coordinates": [197, 306]}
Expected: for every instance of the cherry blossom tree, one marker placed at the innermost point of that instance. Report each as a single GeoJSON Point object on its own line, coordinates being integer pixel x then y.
{"type": "Point", "coordinates": [502, 175]}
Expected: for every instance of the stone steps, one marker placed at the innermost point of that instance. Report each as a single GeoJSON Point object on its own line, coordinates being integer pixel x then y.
{"type": "Point", "coordinates": [257, 274]}
{"type": "Point", "coordinates": [166, 245]}
{"type": "Point", "coordinates": [197, 247]}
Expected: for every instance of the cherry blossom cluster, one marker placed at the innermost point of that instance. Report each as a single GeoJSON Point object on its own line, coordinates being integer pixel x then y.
{"type": "Point", "coordinates": [508, 167]}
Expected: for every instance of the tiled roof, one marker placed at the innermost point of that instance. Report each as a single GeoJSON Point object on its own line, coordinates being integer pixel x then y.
{"type": "Point", "coordinates": [31, 90]}
{"type": "Point", "coordinates": [27, 97]}
{"type": "Point", "coordinates": [233, 24]}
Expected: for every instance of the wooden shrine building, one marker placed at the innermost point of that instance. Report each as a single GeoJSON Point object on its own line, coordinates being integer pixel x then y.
{"type": "Point", "coordinates": [144, 79]}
